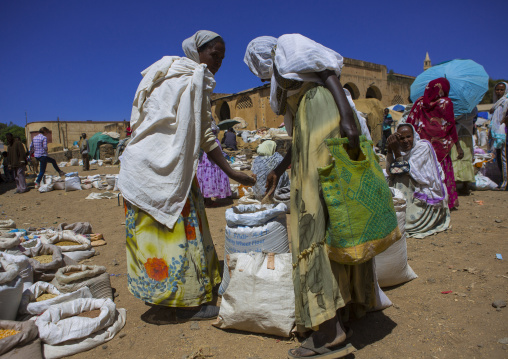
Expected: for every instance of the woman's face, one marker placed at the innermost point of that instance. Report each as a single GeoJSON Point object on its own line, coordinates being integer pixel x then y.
{"type": "Point", "coordinates": [213, 56]}
{"type": "Point", "coordinates": [500, 89]}
{"type": "Point", "coordinates": [405, 138]}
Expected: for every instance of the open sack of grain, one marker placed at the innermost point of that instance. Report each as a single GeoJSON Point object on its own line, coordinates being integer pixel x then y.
{"type": "Point", "coordinates": [79, 325]}
{"type": "Point", "coordinates": [45, 261]}
{"type": "Point", "coordinates": [41, 295]}
{"type": "Point", "coordinates": [71, 278]}
{"type": "Point", "coordinates": [19, 340]}
{"type": "Point", "coordinates": [11, 289]}
{"type": "Point", "coordinates": [74, 246]}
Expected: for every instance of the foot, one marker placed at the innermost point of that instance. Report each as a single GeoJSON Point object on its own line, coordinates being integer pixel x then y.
{"type": "Point", "coordinates": [203, 312]}
{"type": "Point", "coordinates": [61, 173]}
{"type": "Point", "coordinates": [37, 185]}
{"type": "Point", "coordinates": [330, 334]}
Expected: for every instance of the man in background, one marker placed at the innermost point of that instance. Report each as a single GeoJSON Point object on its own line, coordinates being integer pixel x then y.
{"type": "Point", "coordinates": [387, 129]}
{"type": "Point", "coordinates": [39, 147]}
{"type": "Point", "coordinates": [17, 162]}
{"type": "Point", "coordinates": [84, 149]}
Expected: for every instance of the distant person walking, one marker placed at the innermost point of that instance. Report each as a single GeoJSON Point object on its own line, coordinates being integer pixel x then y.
{"type": "Point", "coordinates": [17, 162]}
{"type": "Point", "coordinates": [39, 147]}
{"type": "Point", "coordinates": [84, 149]}
{"type": "Point", "coordinates": [497, 134]}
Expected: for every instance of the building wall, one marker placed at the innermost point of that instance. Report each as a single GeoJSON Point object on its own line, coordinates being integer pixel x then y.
{"type": "Point", "coordinates": [64, 133]}
{"type": "Point", "coordinates": [363, 79]}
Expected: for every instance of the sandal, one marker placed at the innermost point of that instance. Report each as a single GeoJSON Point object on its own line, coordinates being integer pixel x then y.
{"type": "Point", "coordinates": [323, 352]}
{"type": "Point", "coordinates": [205, 312]}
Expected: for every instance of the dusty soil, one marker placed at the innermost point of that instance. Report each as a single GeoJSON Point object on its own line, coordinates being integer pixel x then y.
{"type": "Point", "coordinates": [423, 323]}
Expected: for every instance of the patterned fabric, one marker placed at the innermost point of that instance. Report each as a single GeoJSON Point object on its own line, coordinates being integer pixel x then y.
{"type": "Point", "coordinates": [261, 167]}
{"type": "Point", "coordinates": [362, 218]}
{"type": "Point", "coordinates": [171, 267]}
{"type": "Point", "coordinates": [432, 117]}
{"type": "Point", "coordinates": [451, 187]}
{"type": "Point", "coordinates": [422, 219]}
{"type": "Point", "coordinates": [399, 167]}
{"type": "Point", "coordinates": [322, 286]}
{"type": "Point", "coordinates": [213, 182]}
{"type": "Point", "coordinates": [39, 146]}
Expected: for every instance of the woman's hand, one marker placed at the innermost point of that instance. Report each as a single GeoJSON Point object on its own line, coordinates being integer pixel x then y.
{"type": "Point", "coordinates": [349, 130]}
{"type": "Point", "coordinates": [393, 144]}
{"type": "Point", "coordinates": [244, 178]}
{"type": "Point", "coordinates": [271, 183]}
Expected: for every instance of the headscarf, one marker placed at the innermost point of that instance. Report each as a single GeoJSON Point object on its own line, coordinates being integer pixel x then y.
{"type": "Point", "coordinates": [296, 59]}
{"type": "Point", "coordinates": [267, 148]}
{"type": "Point", "coordinates": [500, 109]}
{"type": "Point", "coordinates": [432, 117]}
{"type": "Point", "coordinates": [425, 170]}
{"type": "Point", "coordinates": [258, 56]}
{"type": "Point", "coordinates": [190, 46]}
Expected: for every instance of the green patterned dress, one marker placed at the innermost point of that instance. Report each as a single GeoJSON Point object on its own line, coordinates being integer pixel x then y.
{"type": "Point", "coordinates": [322, 286]}
{"type": "Point", "coordinates": [172, 267]}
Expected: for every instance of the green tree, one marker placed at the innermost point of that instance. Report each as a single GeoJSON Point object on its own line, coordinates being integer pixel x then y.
{"type": "Point", "coordinates": [12, 128]}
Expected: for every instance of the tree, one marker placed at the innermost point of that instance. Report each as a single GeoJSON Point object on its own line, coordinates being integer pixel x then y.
{"type": "Point", "coordinates": [14, 129]}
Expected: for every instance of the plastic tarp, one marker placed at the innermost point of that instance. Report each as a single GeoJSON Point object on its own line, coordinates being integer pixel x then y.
{"type": "Point", "coordinates": [97, 140]}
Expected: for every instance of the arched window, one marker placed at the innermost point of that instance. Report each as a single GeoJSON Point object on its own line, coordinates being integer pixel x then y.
{"type": "Point", "coordinates": [244, 102]}
{"type": "Point", "coordinates": [225, 113]}
{"type": "Point", "coordinates": [373, 92]}
{"type": "Point", "coordinates": [353, 90]}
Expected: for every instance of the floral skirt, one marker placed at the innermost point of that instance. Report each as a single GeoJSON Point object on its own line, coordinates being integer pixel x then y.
{"type": "Point", "coordinates": [213, 182]}
{"type": "Point", "coordinates": [171, 267]}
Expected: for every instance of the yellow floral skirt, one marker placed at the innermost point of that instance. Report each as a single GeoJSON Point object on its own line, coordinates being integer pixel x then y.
{"type": "Point", "coordinates": [172, 267]}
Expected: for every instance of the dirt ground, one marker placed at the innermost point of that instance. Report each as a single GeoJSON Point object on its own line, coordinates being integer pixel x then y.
{"type": "Point", "coordinates": [423, 323]}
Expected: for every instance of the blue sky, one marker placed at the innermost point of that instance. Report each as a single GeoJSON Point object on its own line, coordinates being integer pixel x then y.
{"type": "Point", "coordinates": [81, 60]}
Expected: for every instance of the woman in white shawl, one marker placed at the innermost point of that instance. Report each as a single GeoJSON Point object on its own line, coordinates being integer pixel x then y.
{"type": "Point", "coordinates": [497, 134]}
{"type": "Point", "coordinates": [305, 88]}
{"type": "Point", "coordinates": [171, 260]}
{"type": "Point", "coordinates": [414, 170]}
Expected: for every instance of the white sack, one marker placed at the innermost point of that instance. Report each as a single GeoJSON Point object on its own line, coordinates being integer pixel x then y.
{"type": "Point", "coordinates": [7, 224]}
{"type": "Point", "coordinates": [254, 228]}
{"type": "Point", "coordinates": [25, 271]}
{"type": "Point", "coordinates": [60, 322]}
{"type": "Point", "coordinates": [94, 277]}
{"type": "Point", "coordinates": [259, 299]}
{"type": "Point", "coordinates": [11, 289]}
{"type": "Point", "coordinates": [391, 265]}
{"type": "Point", "coordinates": [27, 333]}
{"type": "Point", "coordinates": [74, 162]}
{"type": "Point", "coordinates": [9, 241]}
{"type": "Point", "coordinates": [102, 336]}
{"type": "Point", "coordinates": [29, 305]}
{"type": "Point", "coordinates": [79, 256]}
{"type": "Point", "coordinates": [483, 183]}
{"type": "Point", "coordinates": [72, 184]}
{"type": "Point", "coordinates": [53, 237]}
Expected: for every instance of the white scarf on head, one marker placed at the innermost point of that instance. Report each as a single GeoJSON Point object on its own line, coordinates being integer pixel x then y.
{"type": "Point", "coordinates": [425, 170]}
{"type": "Point", "coordinates": [190, 46]}
{"type": "Point", "coordinates": [258, 56]}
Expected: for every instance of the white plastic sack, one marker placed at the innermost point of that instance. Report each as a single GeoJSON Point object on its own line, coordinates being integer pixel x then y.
{"type": "Point", "coordinates": [46, 187]}
{"type": "Point", "coordinates": [260, 297]}
{"type": "Point", "coordinates": [9, 346]}
{"type": "Point", "coordinates": [100, 337]}
{"type": "Point", "coordinates": [25, 271]}
{"type": "Point", "coordinates": [53, 237]}
{"type": "Point", "coordinates": [62, 164]}
{"type": "Point", "coordinates": [71, 278]}
{"type": "Point", "coordinates": [483, 183]}
{"type": "Point", "coordinates": [11, 289]}
{"type": "Point", "coordinates": [72, 184]}
{"type": "Point", "coordinates": [254, 228]}
{"type": "Point", "coordinates": [391, 265]}
{"type": "Point", "coordinates": [74, 162]}
{"type": "Point", "coordinates": [59, 185]}
{"type": "Point", "coordinates": [29, 305]}
{"type": "Point", "coordinates": [382, 301]}
{"type": "Point", "coordinates": [7, 224]}
{"type": "Point", "coordinates": [79, 256]}
{"type": "Point", "coordinates": [45, 271]}
{"type": "Point", "coordinates": [9, 241]}
{"type": "Point", "coordinates": [60, 323]}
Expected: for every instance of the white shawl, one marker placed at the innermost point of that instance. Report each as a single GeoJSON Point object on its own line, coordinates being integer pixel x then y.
{"type": "Point", "coordinates": [500, 108]}
{"type": "Point", "coordinates": [169, 115]}
{"type": "Point", "coordinates": [425, 170]}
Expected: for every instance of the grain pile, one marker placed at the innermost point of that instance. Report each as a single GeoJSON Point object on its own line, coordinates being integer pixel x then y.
{"type": "Point", "coordinates": [4, 333]}
{"type": "Point", "coordinates": [44, 259]}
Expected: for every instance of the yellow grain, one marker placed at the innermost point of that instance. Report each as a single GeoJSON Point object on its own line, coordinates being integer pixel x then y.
{"type": "Point", "coordinates": [44, 259]}
{"type": "Point", "coordinates": [45, 296]}
{"type": "Point", "coordinates": [67, 243]}
{"type": "Point", "coordinates": [4, 333]}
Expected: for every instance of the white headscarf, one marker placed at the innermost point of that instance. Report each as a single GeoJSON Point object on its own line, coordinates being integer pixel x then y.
{"type": "Point", "coordinates": [190, 46]}
{"type": "Point", "coordinates": [500, 109]}
{"type": "Point", "coordinates": [425, 170]}
{"type": "Point", "coordinates": [258, 56]}
{"type": "Point", "coordinates": [296, 57]}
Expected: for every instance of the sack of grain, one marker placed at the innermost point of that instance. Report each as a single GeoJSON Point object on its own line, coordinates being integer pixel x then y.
{"type": "Point", "coordinates": [391, 265]}
{"type": "Point", "coordinates": [7, 224]}
{"type": "Point", "coordinates": [45, 260]}
{"type": "Point", "coordinates": [71, 278]}
{"type": "Point", "coordinates": [9, 243]}
{"type": "Point", "coordinates": [11, 289]}
{"type": "Point", "coordinates": [254, 228]}
{"type": "Point", "coordinates": [25, 271]}
{"type": "Point", "coordinates": [41, 295]}
{"type": "Point", "coordinates": [67, 241]}
{"type": "Point", "coordinates": [19, 340]}
{"type": "Point", "coordinates": [72, 184]}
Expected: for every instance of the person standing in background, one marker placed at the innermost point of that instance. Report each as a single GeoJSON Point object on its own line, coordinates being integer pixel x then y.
{"type": "Point", "coordinates": [17, 162]}
{"type": "Point", "coordinates": [84, 149]}
{"type": "Point", "coordinates": [39, 147]}
{"type": "Point", "coordinates": [387, 129]}
{"type": "Point", "coordinates": [9, 177]}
